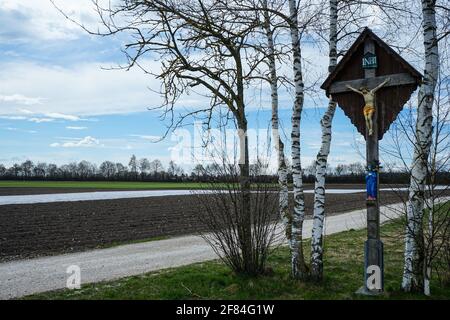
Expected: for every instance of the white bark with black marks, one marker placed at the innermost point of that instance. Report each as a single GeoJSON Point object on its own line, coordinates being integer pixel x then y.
{"type": "Point", "coordinates": [298, 216]}
{"type": "Point", "coordinates": [413, 263]}
{"type": "Point", "coordinates": [322, 159]}
{"type": "Point", "coordinates": [279, 146]}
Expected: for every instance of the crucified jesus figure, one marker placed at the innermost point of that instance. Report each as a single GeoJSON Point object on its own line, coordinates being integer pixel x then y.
{"type": "Point", "coordinates": [369, 102]}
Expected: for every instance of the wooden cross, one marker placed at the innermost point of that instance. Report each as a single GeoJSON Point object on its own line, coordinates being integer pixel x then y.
{"type": "Point", "coordinates": [373, 249]}
{"type": "Point", "coordinates": [368, 63]}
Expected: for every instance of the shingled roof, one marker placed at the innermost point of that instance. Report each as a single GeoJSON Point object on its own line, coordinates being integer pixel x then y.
{"type": "Point", "coordinates": [355, 46]}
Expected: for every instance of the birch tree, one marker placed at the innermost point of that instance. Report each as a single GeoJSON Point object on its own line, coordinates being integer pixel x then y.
{"type": "Point", "coordinates": [437, 230]}
{"type": "Point", "coordinates": [295, 224]}
{"type": "Point", "coordinates": [299, 268]}
{"type": "Point", "coordinates": [279, 145]}
{"type": "Point", "coordinates": [322, 158]}
{"type": "Point", "coordinates": [436, 220]}
{"type": "Point", "coordinates": [413, 257]}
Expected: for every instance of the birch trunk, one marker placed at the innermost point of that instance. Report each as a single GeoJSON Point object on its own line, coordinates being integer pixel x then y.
{"type": "Point", "coordinates": [413, 278]}
{"type": "Point", "coordinates": [321, 160]}
{"type": "Point", "coordinates": [279, 146]}
{"type": "Point", "coordinates": [428, 259]}
{"type": "Point", "coordinates": [298, 265]}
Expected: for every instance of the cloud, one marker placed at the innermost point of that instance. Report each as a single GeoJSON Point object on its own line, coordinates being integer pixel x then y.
{"type": "Point", "coordinates": [40, 120]}
{"type": "Point", "coordinates": [56, 115]}
{"type": "Point", "coordinates": [13, 117]}
{"type": "Point", "coordinates": [147, 137]}
{"type": "Point", "coordinates": [35, 20]}
{"type": "Point", "coordinates": [26, 111]}
{"type": "Point", "coordinates": [46, 117]}
{"type": "Point", "coordinates": [20, 130]}
{"type": "Point", "coordinates": [78, 91]}
{"type": "Point", "coordinates": [84, 142]}
{"type": "Point", "coordinates": [20, 99]}
{"type": "Point", "coordinates": [76, 128]}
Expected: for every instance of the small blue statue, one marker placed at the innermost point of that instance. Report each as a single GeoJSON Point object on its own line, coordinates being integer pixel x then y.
{"type": "Point", "coordinates": [371, 185]}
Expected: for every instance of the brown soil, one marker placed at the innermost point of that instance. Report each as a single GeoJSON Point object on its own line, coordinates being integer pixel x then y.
{"type": "Point", "coordinates": [30, 230]}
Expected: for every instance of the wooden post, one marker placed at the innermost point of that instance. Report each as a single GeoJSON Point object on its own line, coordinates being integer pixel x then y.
{"type": "Point", "coordinates": [373, 249]}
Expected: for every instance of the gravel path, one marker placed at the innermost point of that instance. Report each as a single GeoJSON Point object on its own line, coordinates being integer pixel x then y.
{"type": "Point", "coordinates": [24, 277]}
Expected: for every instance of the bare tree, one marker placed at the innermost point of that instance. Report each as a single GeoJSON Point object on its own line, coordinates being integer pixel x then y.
{"type": "Point", "coordinates": [40, 170]}
{"type": "Point", "coordinates": [322, 157]}
{"type": "Point", "coordinates": [155, 166]}
{"type": "Point", "coordinates": [85, 169]}
{"type": "Point", "coordinates": [133, 166]}
{"type": "Point", "coordinates": [437, 225]}
{"type": "Point", "coordinates": [201, 44]}
{"type": "Point", "coordinates": [144, 166]}
{"type": "Point", "coordinates": [279, 145]}
{"type": "Point", "coordinates": [121, 170]}
{"type": "Point", "coordinates": [174, 169]}
{"type": "Point", "coordinates": [27, 168]}
{"type": "Point", "coordinates": [412, 274]}
{"type": "Point", "coordinates": [222, 209]}
{"type": "Point", "coordinates": [108, 169]}
{"type": "Point", "coordinates": [299, 268]}
{"type": "Point", "coordinates": [428, 232]}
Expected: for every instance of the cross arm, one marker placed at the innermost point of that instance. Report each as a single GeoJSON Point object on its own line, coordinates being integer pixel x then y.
{"type": "Point", "coordinates": [395, 80]}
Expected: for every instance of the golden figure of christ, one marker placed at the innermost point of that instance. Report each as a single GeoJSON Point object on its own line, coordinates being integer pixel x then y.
{"type": "Point", "coordinates": [369, 102]}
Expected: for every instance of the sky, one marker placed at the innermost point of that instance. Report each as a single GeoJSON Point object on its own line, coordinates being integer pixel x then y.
{"type": "Point", "coordinates": [59, 102]}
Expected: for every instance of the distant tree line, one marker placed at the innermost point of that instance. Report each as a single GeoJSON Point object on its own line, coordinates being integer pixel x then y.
{"type": "Point", "coordinates": [355, 173]}
{"type": "Point", "coordinates": [145, 170]}
{"type": "Point", "coordinates": [136, 170]}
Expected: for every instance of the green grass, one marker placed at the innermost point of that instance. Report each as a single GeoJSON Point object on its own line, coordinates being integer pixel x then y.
{"type": "Point", "coordinates": [101, 185]}
{"type": "Point", "coordinates": [213, 280]}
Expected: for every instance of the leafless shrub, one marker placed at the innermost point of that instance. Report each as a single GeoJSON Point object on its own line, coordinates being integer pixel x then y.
{"type": "Point", "coordinates": [224, 220]}
{"type": "Point", "coordinates": [442, 265]}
